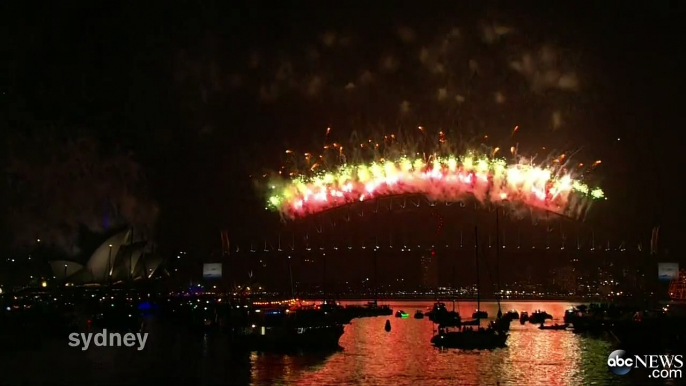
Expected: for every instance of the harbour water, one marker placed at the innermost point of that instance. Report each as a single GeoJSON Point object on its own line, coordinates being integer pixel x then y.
{"type": "Point", "coordinates": [368, 355]}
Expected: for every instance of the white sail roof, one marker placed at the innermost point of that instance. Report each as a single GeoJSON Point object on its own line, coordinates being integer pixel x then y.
{"type": "Point", "coordinates": [114, 260]}
{"type": "Point", "coordinates": [101, 263]}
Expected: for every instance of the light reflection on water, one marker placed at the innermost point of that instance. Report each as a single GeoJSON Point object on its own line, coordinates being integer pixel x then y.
{"type": "Point", "coordinates": [369, 356]}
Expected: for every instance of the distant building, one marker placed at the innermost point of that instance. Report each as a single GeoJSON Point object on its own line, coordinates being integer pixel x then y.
{"type": "Point", "coordinates": [429, 271]}
{"type": "Point", "coordinates": [677, 288]}
{"type": "Point", "coordinates": [564, 279]}
{"type": "Point", "coordinates": [118, 258]}
{"type": "Point", "coordinates": [607, 285]}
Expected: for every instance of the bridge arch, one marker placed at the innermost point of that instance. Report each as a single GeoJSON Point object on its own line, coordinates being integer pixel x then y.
{"type": "Point", "coordinates": [401, 228]}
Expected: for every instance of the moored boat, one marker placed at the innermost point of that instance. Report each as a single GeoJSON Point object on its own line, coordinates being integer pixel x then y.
{"type": "Point", "coordinates": [500, 324]}
{"type": "Point", "coordinates": [539, 316]}
{"type": "Point", "coordinates": [370, 309]}
{"type": "Point", "coordinates": [511, 314]}
{"type": "Point", "coordinates": [290, 337]}
{"type": "Point", "coordinates": [468, 338]}
{"type": "Point", "coordinates": [439, 314]}
{"type": "Point", "coordinates": [524, 317]}
{"type": "Point", "coordinates": [554, 327]}
{"type": "Point", "coordinates": [480, 314]}
{"type": "Point", "coordinates": [288, 329]}
{"type": "Point", "coordinates": [437, 310]}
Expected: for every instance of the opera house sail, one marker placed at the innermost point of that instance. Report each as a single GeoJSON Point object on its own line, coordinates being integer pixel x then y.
{"type": "Point", "coordinates": [119, 258]}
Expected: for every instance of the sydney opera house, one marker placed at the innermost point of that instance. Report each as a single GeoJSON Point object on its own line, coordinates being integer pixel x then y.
{"type": "Point", "coordinates": [119, 258]}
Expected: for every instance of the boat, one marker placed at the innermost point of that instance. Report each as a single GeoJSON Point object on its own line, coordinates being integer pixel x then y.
{"type": "Point", "coordinates": [468, 338]}
{"type": "Point", "coordinates": [500, 324]}
{"type": "Point", "coordinates": [374, 309]}
{"type": "Point", "coordinates": [523, 317]}
{"type": "Point", "coordinates": [437, 310]}
{"type": "Point", "coordinates": [636, 328]}
{"type": "Point", "coordinates": [538, 317]}
{"type": "Point", "coordinates": [401, 314]}
{"type": "Point", "coordinates": [288, 338]}
{"type": "Point", "coordinates": [342, 314]}
{"type": "Point", "coordinates": [575, 313]}
{"type": "Point", "coordinates": [452, 318]}
{"type": "Point", "coordinates": [288, 329]}
{"type": "Point", "coordinates": [370, 309]}
{"type": "Point", "coordinates": [554, 327]}
{"type": "Point", "coordinates": [479, 314]}
{"type": "Point", "coordinates": [446, 318]}
{"type": "Point", "coordinates": [512, 315]}
{"type": "Point", "coordinates": [439, 314]}
{"type": "Point", "coordinates": [387, 327]}
{"type": "Point", "coordinates": [419, 315]}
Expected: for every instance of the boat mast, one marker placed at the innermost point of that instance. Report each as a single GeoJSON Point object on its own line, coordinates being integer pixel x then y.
{"type": "Point", "coordinates": [324, 276]}
{"type": "Point", "coordinates": [476, 259]}
{"type": "Point", "coordinates": [454, 285]}
{"type": "Point", "coordinates": [376, 278]}
{"type": "Point", "coordinates": [497, 259]}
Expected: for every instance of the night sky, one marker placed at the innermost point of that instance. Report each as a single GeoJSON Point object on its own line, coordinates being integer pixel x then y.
{"type": "Point", "coordinates": [163, 116]}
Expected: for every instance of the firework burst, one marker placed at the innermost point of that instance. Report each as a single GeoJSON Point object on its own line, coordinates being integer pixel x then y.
{"type": "Point", "coordinates": [328, 180]}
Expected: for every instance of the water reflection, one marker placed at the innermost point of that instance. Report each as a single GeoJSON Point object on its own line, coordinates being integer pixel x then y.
{"type": "Point", "coordinates": [404, 356]}
{"type": "Point", "coordinates": [270, 368]}
{"type": "Point", "coordinates": [369, 356]}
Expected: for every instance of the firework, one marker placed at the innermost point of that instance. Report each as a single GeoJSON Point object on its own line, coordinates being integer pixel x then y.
{"type": "Point", "coordinates": [448, 178]}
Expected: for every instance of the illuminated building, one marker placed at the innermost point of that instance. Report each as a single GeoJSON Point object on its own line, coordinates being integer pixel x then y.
{"type": "Point", "coordinates": [118, 258]}
{"type": "Point", "coordinates": [677, 288]}
{"type": "Point", "coordinates": [564, 279]}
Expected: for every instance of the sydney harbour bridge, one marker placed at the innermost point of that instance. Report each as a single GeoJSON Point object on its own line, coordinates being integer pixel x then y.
{"type": "Point", "coordinates": [385, 241]}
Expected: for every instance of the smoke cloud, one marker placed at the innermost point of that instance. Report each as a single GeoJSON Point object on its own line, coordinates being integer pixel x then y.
{"type": "Point", "coordinates": [57, 185]}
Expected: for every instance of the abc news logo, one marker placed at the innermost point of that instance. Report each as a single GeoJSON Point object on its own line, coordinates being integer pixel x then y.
{"type": "Point", "coordinates": [621, 363]}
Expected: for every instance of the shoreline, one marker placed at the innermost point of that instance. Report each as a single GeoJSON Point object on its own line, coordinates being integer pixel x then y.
{"type": "Point", "coordinates": [445, 300]}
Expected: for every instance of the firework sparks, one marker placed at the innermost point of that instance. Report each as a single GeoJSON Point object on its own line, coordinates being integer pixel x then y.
{"type": "Point", "coordinates": [448, 178]}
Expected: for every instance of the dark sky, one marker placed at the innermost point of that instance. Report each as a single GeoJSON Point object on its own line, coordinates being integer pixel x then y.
{"type": "Point", "coordinates": [200, 97]}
